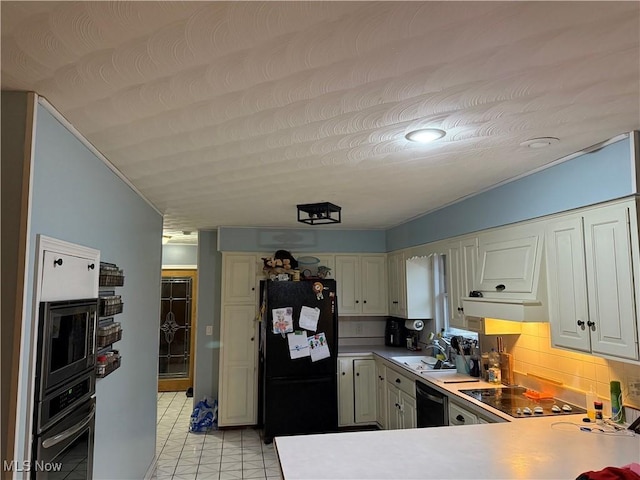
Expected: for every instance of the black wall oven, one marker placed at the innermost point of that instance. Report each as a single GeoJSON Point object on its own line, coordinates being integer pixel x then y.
{"type": "Point", "coordinates": [64, 414]}
{"type": "Point", "coordinates": [66, 342]}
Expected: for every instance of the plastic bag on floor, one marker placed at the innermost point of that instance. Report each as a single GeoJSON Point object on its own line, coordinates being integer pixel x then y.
{"type": "Point", "coordinates": [204, 416]}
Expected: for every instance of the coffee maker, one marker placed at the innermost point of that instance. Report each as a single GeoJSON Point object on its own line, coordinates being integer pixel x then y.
{"type": "Point", "coordinates": [394, 333]}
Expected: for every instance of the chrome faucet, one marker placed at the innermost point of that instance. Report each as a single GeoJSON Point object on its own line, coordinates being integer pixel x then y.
{"type": "Point", "coordinates": [436, 346]}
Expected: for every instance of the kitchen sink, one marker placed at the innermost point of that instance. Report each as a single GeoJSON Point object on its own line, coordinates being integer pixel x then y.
{"type": "Point", "coordinates": [423, 363]}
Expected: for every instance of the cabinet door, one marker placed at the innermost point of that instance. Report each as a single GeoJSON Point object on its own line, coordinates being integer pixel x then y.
{"type": "Point", "coordinates": [508, 258]}
{"type": "Point", "coordinates": [345, 391]}
{"type": "Point", "coordinates": [374, 284]}
{"type": "Point", "coordinates": [238, 382]}
{"type": "Point", "coordinates": [393, 407]}
{"type": "Point", "coordinates": [393, 286]}
{"type": "Point", "coordinates": [610, 282]}
{"type": "Point", "coordinates": [381, 390]}
{"type": "Point", "coordinates": [240, 282]}
{"type": "Point", "coordinates": [67, 277]}
{"type": "Point", "coordinates": [409, 411]}
{"type": "Point", "coordinates": [348, 284]}
{"type": "Point", "coordinates": [567, 284]}
{"type": "Point", "coordinates": [468, 266]}
{"type": "Point", "coordinates": [365, 391]}
{"type": "Point", "coordinates": [454, 281]}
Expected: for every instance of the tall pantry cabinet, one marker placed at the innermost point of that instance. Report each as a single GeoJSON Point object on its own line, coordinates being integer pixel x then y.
{"type": "Point", "coordinates": [238, 386]}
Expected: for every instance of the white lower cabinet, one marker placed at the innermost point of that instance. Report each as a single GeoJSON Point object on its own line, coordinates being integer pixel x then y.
{"type": "Point", "coordinates": [238, 383]}
{"type": "Point", "coordinates": [401, 401]}
{"type": "Point", "coordinates": [381, 394]}
{"type": "Point", "coordinates": [357, 392]}
{"type": "Point", "coordinates": [590, 281]}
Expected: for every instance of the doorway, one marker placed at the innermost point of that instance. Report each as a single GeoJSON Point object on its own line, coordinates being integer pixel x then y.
{"type": "Point", "coordinates": [177, 330]}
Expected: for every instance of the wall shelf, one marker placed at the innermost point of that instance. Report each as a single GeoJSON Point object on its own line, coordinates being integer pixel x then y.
{"type": "Point", "coordinates": [109, 331]}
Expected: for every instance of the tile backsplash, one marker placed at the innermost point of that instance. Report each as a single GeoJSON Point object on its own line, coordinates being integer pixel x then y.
{"type": "Point", "coordinates": [533, 353]}
{"type": "Point", "coordinates": [361, 330]}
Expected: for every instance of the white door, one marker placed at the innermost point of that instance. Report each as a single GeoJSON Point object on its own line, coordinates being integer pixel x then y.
{"type": "Point", "coordinates": [409, 411]}
{"type": "Point", "coordinates": [507, 261]}
{"type": "Point", "coordinates": [238, 385]}
{"type": "Point", "coordinates": [239, 284]}
{"type": "Point", "coordinates": [567, 284]}
{"type": "Point", "coordinates": [393, 284]}
{"type": "Point", "coordinates": [374, 284]}
{"type": "Point", "coordinates": [345, 391]}
{"type": "Point", "coordinates": [610, 282]}
{"type": "Point", "coordinates": [393, 407]}
{"type": "Point", "coordinates": [365, 391]}
{"type": "Point", "coordinates": [381, 388]}
{"type": "Point", "coordinates": [456, 315]}
{"type": "Point", "coordinates": [348, 284]}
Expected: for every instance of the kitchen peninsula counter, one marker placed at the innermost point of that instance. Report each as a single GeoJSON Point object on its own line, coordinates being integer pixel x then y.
{"type": "Point", "coordinates": [537, 448]}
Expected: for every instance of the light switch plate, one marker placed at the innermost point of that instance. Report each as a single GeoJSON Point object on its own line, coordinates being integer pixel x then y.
{"type": "Point", "coordinates": [209, 330]}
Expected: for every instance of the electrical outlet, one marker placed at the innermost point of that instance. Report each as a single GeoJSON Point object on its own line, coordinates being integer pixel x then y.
{"type": "Point", "coordinates": [359, 329]}
{"type": "Point", "coordinates": [634, 389]}
{"type": "Point", "coordinates": [209, 330]}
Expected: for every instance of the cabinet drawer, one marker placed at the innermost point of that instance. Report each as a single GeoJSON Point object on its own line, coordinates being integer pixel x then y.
{"type": "Point", "coordinates": [403, 383]}
{"type": "Point", "coordinates": [460, 416]}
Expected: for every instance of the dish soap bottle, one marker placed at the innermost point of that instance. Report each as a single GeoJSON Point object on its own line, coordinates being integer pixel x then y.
{"type": "Point", "coordinates": [617, 410]}
{"type": "Point", "coordinates": [494, 367]}
{"type": "Point", "coordinates": [591, 398]}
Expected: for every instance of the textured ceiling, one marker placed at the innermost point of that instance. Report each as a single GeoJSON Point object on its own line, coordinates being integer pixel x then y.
{"type": "Point", "coordinates": [231, 113]}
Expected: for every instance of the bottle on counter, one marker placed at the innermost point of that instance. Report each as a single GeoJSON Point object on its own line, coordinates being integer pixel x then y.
{"type": "Point", "coordinates": [617, 410]}
{"type": "Point", "coordinates": [598, 407]}
{"type": "Point", "coordinates": [591, 398]}
{"type": "Point", "coordinates": [494, 367]}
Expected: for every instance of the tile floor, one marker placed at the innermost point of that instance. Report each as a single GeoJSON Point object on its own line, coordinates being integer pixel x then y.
{"type": "Point", "coordinates": [220, 455]}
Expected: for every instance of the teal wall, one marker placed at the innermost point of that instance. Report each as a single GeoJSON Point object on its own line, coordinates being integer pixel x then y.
{"type": "Point", "coordinates": [77, 198]}
{"type": "Point", "coordinates": [603, 175]}
{"type": "Point", "coordinates": [179, 255]}
{"type": "Point", "coordinates": [301, 240]}
{"type": "Point", "coordinates": [208, 346]}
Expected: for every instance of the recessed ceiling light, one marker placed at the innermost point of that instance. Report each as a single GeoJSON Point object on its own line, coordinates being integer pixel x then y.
{"type": "Point", "coordinates": [425, 135]}
{"type": "Point", "coordinates": [539, 142]}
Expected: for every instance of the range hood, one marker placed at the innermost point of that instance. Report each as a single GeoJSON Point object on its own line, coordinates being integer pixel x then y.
{"type": "Point", "coordinates": [506, 309]}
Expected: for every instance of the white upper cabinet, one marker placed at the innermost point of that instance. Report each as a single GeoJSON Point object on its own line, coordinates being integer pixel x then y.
{"type": "Point", "coordinates": [362, 284]}
{"type": "Point", "coordinates": [397, 285]}
{"type": "Point", "coordinates": [590, 279]}
{"type": "Point", "coordinates": [67, 271]}
{"type": "Point", "coordinates": [462, 260]}
{"type": "Point", "coordinates": [240, 283]}
{"type": "Point", "coordinates": [509, 260]}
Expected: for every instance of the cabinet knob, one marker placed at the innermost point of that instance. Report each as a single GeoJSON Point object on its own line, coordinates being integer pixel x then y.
{"type": "Point", "coordinates": [253, 289]}
{"type": "Point", "coordinates": [91, 266]}
{"type": "Point", "coordinates": [252, 339]}
{"type": "Point", "coordinates": [397, 406]}
{"type": "Point", "coordinates": [500, 287]}
{"type": "Point", "coordinates": [365, 301]}
{"type": "Point", "coordinates": [395, 301]}
{"type": "Point", "coordinates": [591, 324]}
{"type": "Point", "coordinates": [343, 373]}
{"type": "Point", "coordinates": [580, 323]}
{"type": "Point", "coordinates": [460, 418]}
{"type": "Point", "coordinates": [398, 380]}
{"type": "Point", "coordinates": [57, 262]}
{"type": "Point", "coordinates": [357, 374]}
{"type": "Point", "coordinates": [357, 301]}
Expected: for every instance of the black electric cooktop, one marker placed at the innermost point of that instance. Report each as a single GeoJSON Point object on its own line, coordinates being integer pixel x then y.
{"type": "Point", "coordinates": [521, 402]}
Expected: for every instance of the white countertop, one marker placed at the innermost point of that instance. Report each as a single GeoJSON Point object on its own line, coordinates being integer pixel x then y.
{"type": "Point", "coordinates": [540, 448]}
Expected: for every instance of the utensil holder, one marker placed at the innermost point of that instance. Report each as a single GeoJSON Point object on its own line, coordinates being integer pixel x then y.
{"type": "Point", "coordinates": [462, 366]}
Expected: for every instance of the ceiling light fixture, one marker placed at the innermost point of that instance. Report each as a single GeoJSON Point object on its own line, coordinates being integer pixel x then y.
{"type": "Point", "coordinates": [540, 142]}
{"type": "Point", "coordinates": [165, 239]}
{"type": "Point", "coordinates": [319, 213]}
{"type": "Point", "coordinates": [425, 135]}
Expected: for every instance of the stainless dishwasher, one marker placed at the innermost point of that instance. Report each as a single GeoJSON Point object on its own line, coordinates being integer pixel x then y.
{"type": "Point", "coordinates": [432, 407]}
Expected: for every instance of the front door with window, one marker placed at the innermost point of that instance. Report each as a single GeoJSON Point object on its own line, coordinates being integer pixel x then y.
{"type": "Point", "coordinates": [177, 330]}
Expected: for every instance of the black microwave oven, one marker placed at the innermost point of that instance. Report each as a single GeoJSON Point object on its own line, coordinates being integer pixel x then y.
{"type": "Point", "coordinates": [66, 342]}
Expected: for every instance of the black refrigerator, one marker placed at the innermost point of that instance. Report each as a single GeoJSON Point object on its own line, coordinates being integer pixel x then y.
{"type": "Point", "coordinates": [299, 395]}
